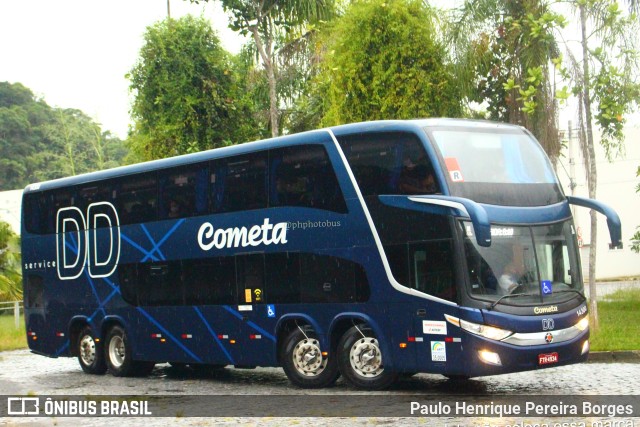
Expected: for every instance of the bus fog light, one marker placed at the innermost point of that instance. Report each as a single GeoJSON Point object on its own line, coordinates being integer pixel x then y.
{"type": "Point", "coordinates": [585, 347]}
{"type": "Point", "coordinates": [490, 357]}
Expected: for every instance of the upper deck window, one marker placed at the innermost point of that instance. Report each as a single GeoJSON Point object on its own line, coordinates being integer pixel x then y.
{"type": "Point", "coordinates": [389, 163]}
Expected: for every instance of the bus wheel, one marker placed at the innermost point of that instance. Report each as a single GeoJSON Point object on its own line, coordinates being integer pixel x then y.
{"type": "Point", "coordinates": [119, 358]}
{"type": "Point", "coordinates": [304, 363]}
{"type": "Point", "coordinates": [360, 360]}
{"type": "Point", "coordinates": [90, 353]}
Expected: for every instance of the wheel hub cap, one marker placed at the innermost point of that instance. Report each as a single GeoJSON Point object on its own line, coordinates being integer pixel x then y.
{"type": "Point", "coordinates": [307, 357]}
{"type": "Point", "coordinates": [87, 350]}
{"type": "Point", "coordinates": [116, 351]}
{"type": "Point", "coordinates": [366, 358]}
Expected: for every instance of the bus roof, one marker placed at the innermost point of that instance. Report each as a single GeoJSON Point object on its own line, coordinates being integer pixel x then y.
{"type": "Point", "coordinates": [282, 141]}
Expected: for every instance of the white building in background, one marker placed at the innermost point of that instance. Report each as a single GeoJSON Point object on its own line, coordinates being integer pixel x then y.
{"type": "Point", "coordinates": [10, 203]}
{"type": "Point", "coordinates": [617, 183]}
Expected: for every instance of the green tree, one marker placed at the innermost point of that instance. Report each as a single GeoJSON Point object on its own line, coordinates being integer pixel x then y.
{"type": "Point", "coordinates": [275, 26]}
{"type": "Point", "coordinates": [607, 90]}
{"type": "Point", "coordinates": [10, 268]}
{"type": "Point", "coordinates": [507, 55]}
{"type": "Point", "coordinates": [38, 142]}
{"type": "Point", "coordinates": [186, 92]}
{"type": "Point", "coordinates": [383, 60]}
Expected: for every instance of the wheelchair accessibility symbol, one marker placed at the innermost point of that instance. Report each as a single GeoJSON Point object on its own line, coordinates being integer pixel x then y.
{"type": "Point", "coordinates": [271, 310]}
{"type": "Point", "coordinates": [546, 287]}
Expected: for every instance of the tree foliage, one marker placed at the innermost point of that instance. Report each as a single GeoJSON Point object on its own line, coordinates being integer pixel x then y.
{"type": "Point", "coordinates": [507, 58]}
{"type": "Point", "coordinates": [276, 27]}
{"type": "Point", "coordinates": [187, 95]}
{"type": "Point", "coordinates": [10, 268]}
{"type": "Point", "coordinates": [383, 60]}
{"type": "Point", "coordinates": [38, 142]}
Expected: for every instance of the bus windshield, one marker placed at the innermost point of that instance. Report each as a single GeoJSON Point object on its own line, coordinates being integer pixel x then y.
{"type": "Point", "coordinates": [501, 167]}
{"type": "Point", "coordinates": [530, 264]}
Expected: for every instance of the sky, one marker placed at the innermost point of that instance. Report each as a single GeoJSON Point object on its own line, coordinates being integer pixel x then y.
{"type": "Point", "coordinates": [75, 53]}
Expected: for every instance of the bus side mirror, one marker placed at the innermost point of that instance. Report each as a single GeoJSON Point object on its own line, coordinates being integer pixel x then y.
{"type": "Point", "coordinates": [613, 220]}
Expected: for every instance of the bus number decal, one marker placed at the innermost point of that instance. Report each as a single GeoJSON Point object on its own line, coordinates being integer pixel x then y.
{"type": "Point", "coordinates": [77, 241]}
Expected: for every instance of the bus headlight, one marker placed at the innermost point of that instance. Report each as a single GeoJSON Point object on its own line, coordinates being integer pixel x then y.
{"type": "Point", "coordinates": [486, 331]}
{"type": "Point", "coordinates": [583, 324]}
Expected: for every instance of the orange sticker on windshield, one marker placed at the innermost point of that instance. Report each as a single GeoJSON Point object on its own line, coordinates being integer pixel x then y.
{"type": "Point", "coordinates": [454, 169]}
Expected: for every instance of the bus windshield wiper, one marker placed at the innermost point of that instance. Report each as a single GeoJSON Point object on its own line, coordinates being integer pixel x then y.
{"type": "Point", "coordinates": [492, 306]}
{"type": "Point", "coordinates": [570, 290]}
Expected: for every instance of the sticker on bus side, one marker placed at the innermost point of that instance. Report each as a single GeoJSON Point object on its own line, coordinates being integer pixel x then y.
{"type": "Point", "coordinates": [454, 169]}
{"type": "Point", "coordinates": [438, 351]}
{"type": "Point", "coordinates": [434, 327]}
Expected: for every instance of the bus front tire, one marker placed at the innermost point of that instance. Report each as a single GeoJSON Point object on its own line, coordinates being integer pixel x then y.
{"type": "Point", "coordinates": [119, 358]}
{"type": "Point", "coordinates": [360, 360]}
{"type": "Point", "coordinates": [304, 363]}
{"type": "Point", "coordinates": [90, 354]}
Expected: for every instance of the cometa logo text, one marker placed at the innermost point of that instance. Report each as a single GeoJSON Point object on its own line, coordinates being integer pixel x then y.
{"type": "Point", "coordinates": [549, 309]}
{"type": "Point", "coordinates": [265, 234]}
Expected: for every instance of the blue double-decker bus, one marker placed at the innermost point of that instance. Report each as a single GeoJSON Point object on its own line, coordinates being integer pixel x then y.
{"type": "Point", "coordinates": [369, 250]}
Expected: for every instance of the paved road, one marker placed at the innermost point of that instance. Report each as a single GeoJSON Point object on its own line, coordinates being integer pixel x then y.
{"type": "Point", "coordinates": [24, 373]}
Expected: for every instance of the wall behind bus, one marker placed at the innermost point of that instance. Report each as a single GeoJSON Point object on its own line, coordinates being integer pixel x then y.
{"type": "Point", "coordinates": [10, 204]}
{"type": "Point", "coordinates": [616, 187]}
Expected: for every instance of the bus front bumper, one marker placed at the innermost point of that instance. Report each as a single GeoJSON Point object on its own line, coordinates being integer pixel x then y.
{"type": "Point", "coordinates": [490, 357]}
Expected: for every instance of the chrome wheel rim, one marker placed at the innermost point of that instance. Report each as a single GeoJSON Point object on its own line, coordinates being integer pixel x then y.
{"type": "Point", "coordinates": [366, 358]}
{"type": "Point", "coordinates": [307, 358]}
{"type": "Point", "coordinates": [87, 350]}
{"type": "Point", "coordinates": [116, 351]}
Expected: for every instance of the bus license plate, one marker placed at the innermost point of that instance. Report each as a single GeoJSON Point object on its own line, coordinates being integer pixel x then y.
{"type": "Point", "coordinates": [548, 358]}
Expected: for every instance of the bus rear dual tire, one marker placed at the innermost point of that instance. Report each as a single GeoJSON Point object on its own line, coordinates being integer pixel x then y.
{"type": "Point", "coordinates": [360, 360]}
{"type": "Point", "coordinates": [90, 352]}
{"type": "Point", "coordinates": [304, 363]}
{"type": "Point", "coordinates": [119, 358]}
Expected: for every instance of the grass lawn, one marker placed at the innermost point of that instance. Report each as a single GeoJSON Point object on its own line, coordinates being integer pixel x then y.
{"type": "Point", "coordinates": [619, 322]}
{"type": "Point", "coordinates": [10, 337]}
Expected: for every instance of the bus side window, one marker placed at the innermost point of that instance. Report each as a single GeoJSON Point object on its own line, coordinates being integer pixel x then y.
{"type": "Point", "coordinates": [210, 281]}
{"type": "Point", "coordinates": [390, 163]}
{"type": "Point", "coordinates": [37, 215]}
{"type": "Point", "coordinates": [137, 199]}
{"type": "Point", "coordinates": [331, 279]}
{"type": "Point", "coordinates": [432, 268]}
{"type": "Point", "coordinates": [239, 183]}
{"type": "Point", "coordinates": [283, 278]}
{"type": "Point", "coordinates": [183, 192]}
{"type": "Point", "coordinates": [303, 176]}
{"type": "Point", "coordinates": [95, 194]}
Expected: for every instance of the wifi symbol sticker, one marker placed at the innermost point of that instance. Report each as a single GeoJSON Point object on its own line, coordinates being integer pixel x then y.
{"type": "Point", "coordinates": [258, 294]}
